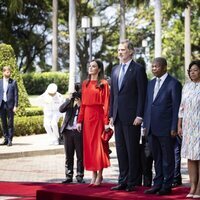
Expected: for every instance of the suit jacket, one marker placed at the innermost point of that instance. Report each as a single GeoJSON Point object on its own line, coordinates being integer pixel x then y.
{"type": "Point", "coordinates": [12, 93]}
{"type": "Point", "coordinates": [70, 110]}
{"type": "Point", "coordinates": [161, 115]}
{"type": "Point", "coordinates": [128, 102]}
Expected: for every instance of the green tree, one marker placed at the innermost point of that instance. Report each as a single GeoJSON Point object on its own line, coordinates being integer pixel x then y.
{"type": "Point", "coordinates": [7, 58]}
{"type": "Point", "coordinates": [26, 31]}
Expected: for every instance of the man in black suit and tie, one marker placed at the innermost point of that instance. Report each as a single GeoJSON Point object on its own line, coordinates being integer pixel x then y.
{"type": "Point", "coordinates": [128, 91]}
{"type": "Point", "coordinates": [160, 122]}
{"type": "Point", "coordinates": [8, 104]}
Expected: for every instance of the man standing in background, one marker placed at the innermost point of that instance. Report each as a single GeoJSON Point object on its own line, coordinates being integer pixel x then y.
{"type": "Point", "coordinates": [8, 104]}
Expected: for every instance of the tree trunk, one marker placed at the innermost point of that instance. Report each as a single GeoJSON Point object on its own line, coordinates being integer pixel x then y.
{"type": "Point", "coordinates": [55, 36]}
{"type": "Point", "coordinates": [72, 48]}
{"type": "Point", "coordinates": [158, 28]}
{"type": "Point", "coordinates": [122, 21]}
{"type": "Point", "coordinates": [187, 40]}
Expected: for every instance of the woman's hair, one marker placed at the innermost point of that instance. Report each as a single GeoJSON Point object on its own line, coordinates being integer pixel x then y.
{"type": "Point", "coordinates": [195, 62]}
{"type": "Point", "coordinates": [100, 75]}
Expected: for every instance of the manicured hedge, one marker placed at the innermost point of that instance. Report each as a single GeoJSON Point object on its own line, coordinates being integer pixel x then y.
{"type": "Point", "coordinates": [36, 83]}
{"type": "Point", "coordinates": [28, 125]}
{"type": "Point", "coordinates": [33, 111]}
{"type": "Point", "coordinates": [31, 125]}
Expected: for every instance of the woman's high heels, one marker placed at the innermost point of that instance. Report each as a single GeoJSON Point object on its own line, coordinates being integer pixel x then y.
{"type": "Point", "coordinates": [94, 178]}
{"type": "Point", "coordinates": [98, 181]}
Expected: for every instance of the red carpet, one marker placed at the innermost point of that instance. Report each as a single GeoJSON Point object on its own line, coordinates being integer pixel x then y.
{"type": "Point", "coordinates": [48, 191]}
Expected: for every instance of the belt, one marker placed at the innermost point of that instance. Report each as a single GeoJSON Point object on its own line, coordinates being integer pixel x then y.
{"type": "Point", "coordinates": [71, 129]}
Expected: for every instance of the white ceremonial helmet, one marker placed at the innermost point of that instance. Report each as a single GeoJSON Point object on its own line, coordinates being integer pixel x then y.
{"type": "Point", "coordinates": [52, 88]}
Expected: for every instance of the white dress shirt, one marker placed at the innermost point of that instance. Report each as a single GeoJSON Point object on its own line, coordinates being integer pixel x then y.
{"type": "Point", "coordinates": [5, 88]}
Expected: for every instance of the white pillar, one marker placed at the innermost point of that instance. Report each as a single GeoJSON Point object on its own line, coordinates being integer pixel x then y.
{"type": "Point", "coordinates": [55, 36]}
{"type": "Point", "coordinates": [158, 28]}
{"type": "Point", "coordinates": [187, 40]}
{"type": "Point", "coordinates": [72, 49]}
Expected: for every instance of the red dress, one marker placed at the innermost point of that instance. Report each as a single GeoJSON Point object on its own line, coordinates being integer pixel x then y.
{"type": "Point", "coordinates": [94, 115]}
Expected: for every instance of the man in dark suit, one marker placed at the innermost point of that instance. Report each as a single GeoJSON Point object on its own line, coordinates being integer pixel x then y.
{"type": "Point", "coordinates": [73, 139]}
{"type": "Point", "coordinates": [160, 122]}
{"type": "Point", "coordinates": [128, 90]}
{"type": "Point", "coordinates": [8, 104]}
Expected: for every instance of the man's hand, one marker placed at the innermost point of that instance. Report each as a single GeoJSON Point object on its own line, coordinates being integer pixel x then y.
{"type": "Point", "coordinates": [79, 127]}
{"type": "Point", "coordinates": [137, 121]}
{"type": "Point", "coordinates": [180, 132]}
{"type": "Point", "coordinates": [173, 133]}
{"type": "Point", "coordinates": [14, 109]}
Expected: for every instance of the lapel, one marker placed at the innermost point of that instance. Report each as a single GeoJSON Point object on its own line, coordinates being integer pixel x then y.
{"type": "Point", "coordinates": [128, 72]}
{"type": "Point", "coordinates": [116, 76]}
{"type": "Point", "coordinates": [163, 87]}
{"type": "Point", "coordinates": [9, 84]}
{"type": "Point", "coordinates": [152, 85]}
{"type": "Point", "coordinates": [1, 84]}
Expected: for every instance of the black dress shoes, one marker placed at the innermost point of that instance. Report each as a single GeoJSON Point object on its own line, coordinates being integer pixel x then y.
{"type": "Point", "coordinates": [164, 191]}
{"type": "Point", "coordinates": [9, 144]}
{"type": "Point", "coordinates": [177, 182]}
{"type": "Point", "coordinates": [153, 190]}
{"type": "Point", "coordinates": [119, 187]}
{"type": "Point", "coordinates": [67, 180]}
{"type": "Point", "coordinates": [147, 182]}
{"type": "Point", "coordinates": [5, 142]}
{"type": "Point", "coordinates": [130, 188]}
{"type": "Point", "coordinates": [80, 179]}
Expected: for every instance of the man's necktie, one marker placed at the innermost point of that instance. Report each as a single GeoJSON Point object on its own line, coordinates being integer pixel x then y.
{"type": "Point", "coordinates": [156, 88]}
{"type": "Point", "coordinates": [121, 77]}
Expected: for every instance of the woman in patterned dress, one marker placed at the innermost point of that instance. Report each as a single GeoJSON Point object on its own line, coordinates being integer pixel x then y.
{"type": "Point", "coordinates": [189, 127]}
{"type": "Point", "coordinates": [93, 119]}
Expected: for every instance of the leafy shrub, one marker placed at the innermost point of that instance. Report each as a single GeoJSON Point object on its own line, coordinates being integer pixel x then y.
{"type": "Point", "coordinates": [28, 125]}
{"type": "Point", "coordinates": [33, 111]}
{"type": "Point", "coordinates": [7, 58]}
{"type": "Point", "coordinates": [36, 83]}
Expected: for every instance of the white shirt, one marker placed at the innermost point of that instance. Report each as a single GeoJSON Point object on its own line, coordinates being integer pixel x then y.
{"type": "Point", "coordinates": [162, 79]}
{"type": "Point", "coordinates": [126, 67]}
{"type": "Point", "coordinates": [5, 88]}
{"type": "Point", "coordinates": [74, 122]}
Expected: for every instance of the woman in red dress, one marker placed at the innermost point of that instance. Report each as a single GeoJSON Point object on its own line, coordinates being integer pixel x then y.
{"type": "Point", "coordinates": [93, 119]}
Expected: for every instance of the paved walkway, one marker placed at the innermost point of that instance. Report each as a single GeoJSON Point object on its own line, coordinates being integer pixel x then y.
{"type": "Point", "coordinates": [30, 160]}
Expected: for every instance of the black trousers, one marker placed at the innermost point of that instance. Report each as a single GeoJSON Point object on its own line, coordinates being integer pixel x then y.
{"type": "Point", "coordinates": [146, 162]}
{"type": "Point", "coordinates": [73, 142]}
{"type": "Point", "coordinates": [177, 152]}
{"type": "Point", "coordinates": [163, 154]}
{"type": "Point", "coordinates": [127, 145]}
{"type": "Point", "coordinates": [7, 119]}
